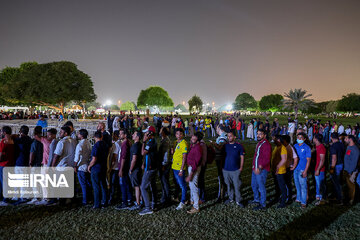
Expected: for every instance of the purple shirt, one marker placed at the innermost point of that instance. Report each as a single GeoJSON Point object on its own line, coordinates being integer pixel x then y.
{"type": "Point", "coordinates": [194, 157]}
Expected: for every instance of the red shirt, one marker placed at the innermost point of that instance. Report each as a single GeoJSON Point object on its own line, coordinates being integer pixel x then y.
{"type": "Point", "coordinates": [262, 155]}
{"type": "Point", "coordinates": [238, 126]}
{"type": "Point", "coordinates": [320, 150]}
{"type": "Point", "coordinates": [194, 157]}
{"type": "Point", "coordinates": [8, 154]}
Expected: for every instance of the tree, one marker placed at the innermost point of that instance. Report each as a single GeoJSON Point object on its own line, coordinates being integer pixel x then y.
{"type": "Point", "coordinates": [195, 103]}
{"type": "Point", "coordinates": [114, 107]}
{"type": "Point", "coordinates": [154, 96]}
{"type": "Point", "coordinates": [296, 100]}
{"type": "Point", "coordinates": [272, 101]}
{"type": "Point", "coordinates": [180, 107]}
{"type": "Point", "coordinates": [244, 101]}
{"type": "Point", "coordinates": [331, 106]}
{"type": "Point", "coordinates": [50, 84]}
{"type": "Point", "coordinates": [349, 103]}
{"type": "Point", "coordinates": [128, 106]}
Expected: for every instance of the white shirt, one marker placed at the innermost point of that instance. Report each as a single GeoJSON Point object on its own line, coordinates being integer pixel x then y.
{"type": "Point", "coordinates": [117, 150]}
{"type": "Point", "coordinates": [341, 129]}
{"type": "Point", "coordinates": [83, 155]}
{"type": "Point", "coordinates": [66, 150]}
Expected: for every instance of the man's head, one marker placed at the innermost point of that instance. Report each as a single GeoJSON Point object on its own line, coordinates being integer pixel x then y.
{"type": "Point", "coordinates": [350, 140]}
{"type": "Point", "coordinates": [277, 139]}
{"type": "Point", "coordinates": [260, 134]}
{"type": "Point", "coordinates": [116, 135]}
{"type": "Point", "coordinates": [179, 134]}
{"type": "Point", "coordinates": [285, 139]}
{"type": "Point", "coordinates": [123, 134]}
{"type": "Point", "coordinates": [70, 125]}
{"type": "Point", "coordinates": [24, 130]}
{"type": "Point", "coordinates": [301, 138]}
{"type": "Point", "coordinates": [6, 130]}
{"type": "Point", "coordinates": [334, 137]}
{"type": "Point", "coordinates": [318, 138]}
{"type": "Point", "coordinates": [164, 132]}
{"type": "Point", "coordinates": [37, 131]}
{"type": "Point", "coordinates": [231, 137]}
{"type": "Point", "coordinates": [51, 133]}
{"type": "Point", "coordinates": [197, 137]}
{"type": "Point", "coordinates": [82, 134]}
{"type": "Point", "coordinates": [101, 126]}
{"type": "Point", "coordinates": [98, 136]}
{"type": "Point", "coordinates": [137, 136]}
{"type": "Point", "coordinates": [65, 131]}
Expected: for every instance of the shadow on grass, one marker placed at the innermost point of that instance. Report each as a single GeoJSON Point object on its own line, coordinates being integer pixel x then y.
{"type": "Point", "coordinates": [310, 223]}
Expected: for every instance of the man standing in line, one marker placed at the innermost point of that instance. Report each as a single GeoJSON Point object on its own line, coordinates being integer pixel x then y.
{"type": "Point", "coordinates": [193, 162]}
{"type": "Point", "coordinates": [350, 166]}
{"type": "Point", "coordinates": [261, 167]}
{"type": "Point", "coordinates": [320, 169]}
{"type": "Point", "coordinates": [164, 168]}
{"type": "Point", "coordinates": [150, 166]}
{"type": "Point", "coordinates": [234, 162]}
{"type": "Point", "coordinates": [337, 152]}
{"type": "Point", "coordinates": [300, 172]}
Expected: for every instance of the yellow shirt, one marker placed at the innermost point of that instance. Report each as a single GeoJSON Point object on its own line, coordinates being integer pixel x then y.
{"type": "Point", "coordinates": [207, 123]}
{"type": "Point", "coordinates": [276, 159]}
{"type": "Point", "coordinates": [180, 149]}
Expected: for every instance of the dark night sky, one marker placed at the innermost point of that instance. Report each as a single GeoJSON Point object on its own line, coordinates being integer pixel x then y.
{"type": "Point", "coordinates": [216, 49]}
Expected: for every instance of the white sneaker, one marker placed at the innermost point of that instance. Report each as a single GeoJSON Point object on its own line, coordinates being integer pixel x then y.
{"type": "Point", "coordinates": [181, 206]}
{"type": "Point", "coordinates": [33, 201]}
{"type": "Point", "coordinates": [42, 202]}
{"type": "Point", "coordinates": [3, 204]}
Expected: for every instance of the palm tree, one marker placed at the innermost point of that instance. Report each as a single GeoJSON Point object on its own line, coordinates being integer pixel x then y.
{"type": "Point", "coordinates": [296, 100]}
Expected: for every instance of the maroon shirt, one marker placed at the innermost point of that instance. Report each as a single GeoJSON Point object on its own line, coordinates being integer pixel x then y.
{"type": "Point", "coordinates": [194, 156]}
{"type": "Point", "coordinates": [125, 155]}
{"type": "Point", "coordinates": [262, 155]}
{"type": "Point", "coordinates": [8, 154]}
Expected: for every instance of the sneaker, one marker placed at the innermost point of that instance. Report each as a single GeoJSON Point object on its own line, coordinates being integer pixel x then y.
{"type": "Point", "coordinates": [253, 202]}
{"type": "Point", "coordinates": [193, 210]}
{"type": "Point", "coordinates": [145, 212]}
{"type": "Point", "coordinates": [135, 207]}
{"type": "Point", "coordinates": [32, 201]}
{"type": "Point", "coordinates": [3, 204]}
{"type": "Point", "coordinates": [181, 206]}
{"type": "Point", "coordinates": [42, 202]}
{"type": "Point", "coordinates": [257, 208]}
{"type": "Point", "coordinates": [240, 204]}
{"type": "Point", "coordinates": [281, 206]}
{"type": "Point", "coordinates": [19, 202]}
{"type": "Point", "coordinates": [229, 201]}
{"type": "Point", "coordinates": [53, 202]}
{"type": "Point", "coordinates": [121, 206]}
{"type": "Point", "coordinates": [303, 206]}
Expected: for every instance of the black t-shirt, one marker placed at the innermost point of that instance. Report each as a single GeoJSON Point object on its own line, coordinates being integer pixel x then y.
{"type": "Point", "coordinates": [107, 139]}
{"type": "Point", "coordinates": [151, 157]}
{"type": "Point", "coordinates": [136, 150]}
{"type": "Point", "coordinates": [337, 149]}
{"type": "Point", "coordinates": [37, 149]}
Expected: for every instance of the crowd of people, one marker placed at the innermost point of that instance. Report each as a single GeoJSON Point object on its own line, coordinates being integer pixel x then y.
{"type": "Point", "coordinates": [127, 159]}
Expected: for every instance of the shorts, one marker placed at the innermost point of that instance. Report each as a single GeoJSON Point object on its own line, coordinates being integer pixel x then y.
{"type": "Point", "coordinates": [135, 177]}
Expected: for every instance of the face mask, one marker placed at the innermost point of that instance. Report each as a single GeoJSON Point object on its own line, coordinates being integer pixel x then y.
{"type": "Point", "coordinates": [300, 141]}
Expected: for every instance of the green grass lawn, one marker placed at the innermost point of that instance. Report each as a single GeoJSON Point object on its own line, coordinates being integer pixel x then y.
{"type": "Point", "coordinates": [215, 221]}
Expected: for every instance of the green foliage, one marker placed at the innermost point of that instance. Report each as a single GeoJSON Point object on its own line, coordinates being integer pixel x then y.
{"type": "Point", "coordinates": [272, 101]}
{"type": "Point", "coordinates": [195, 104]}
{"type": "Point", "coordinates": [50, 84]}
{"type": "Point", "coordinates": [180, 107]}
{"type": "Point", "coordinates": [128, 106]}
{"type": "Point", "coordinates": [331, 106]}
{"type": "Point", "coordinates": [296, 100]}
{"type": "Point", "coordinates": [349, 103]}
{"type": "Point", "coordinates": [245, 101]}
{"type": "Point", "coordinates": [114, 107]}
{"type": "Point", "coordinates": [154, 96]}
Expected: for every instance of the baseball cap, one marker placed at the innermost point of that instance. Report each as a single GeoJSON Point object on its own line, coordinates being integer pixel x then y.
{"type": "Point", "coordinates": [149, 129]}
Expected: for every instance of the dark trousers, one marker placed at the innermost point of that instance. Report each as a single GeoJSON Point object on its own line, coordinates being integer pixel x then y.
{"type": "Point", "coordinates": [84, 180]}
{"type": "Point", "coordinates": [126, 190]}
{"type": "Point", "coordinates": [148, 183]}
{"type": "Point", "coordinates": [201, 183]}
{"type": "Point", "coordinates": [165, 185]}
{"type": "Point", "coordinates": [281, 181]}
{"type": "Point", "coordinates": [288, 180]}
{"type": "Point", "coordinates": [114, 184]}
{"type": "Point", "coordinates": [98, 180]}
{"type": "Point", "coordinates": [221, 183]}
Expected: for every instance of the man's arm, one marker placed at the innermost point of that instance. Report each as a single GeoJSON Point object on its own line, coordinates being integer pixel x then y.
{"type": "Point", "coordinates": [242, 157]}
{"type": "Point", "coordinates": [92, 163]}
{"type": "Point", "coordinates": [55, 160]}
{"type": "Point", "coordinates": [307, 167]}
{"type": "Point", "coordinates": [321, 164]}
{"type": "Point", "coordinates": [183, 164]}
{"type": "Point", "coordinates": [133, 162]}
{"type": "Point", "coordinates": [281, 163]}
{"type": "Point", "coordinates": [31, 158]}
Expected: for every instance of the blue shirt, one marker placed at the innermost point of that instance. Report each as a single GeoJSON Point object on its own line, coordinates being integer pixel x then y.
{"type": "Point", "coordinates": [232, 159]}
{"type": "Point", "coordinates": [42, 123]}
{"type": "Point", "coordinates": [100, 150]}
{"type": "Point", "coordinates": [23, 145]}
{"type": "Point", "coordinates": [303, 152]}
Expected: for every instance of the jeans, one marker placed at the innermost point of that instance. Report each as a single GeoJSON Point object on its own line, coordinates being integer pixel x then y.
{"type": "Point", "coordinates": [221, 181]}
{"type": "Point", "coordinates": [258, 182]}
{"type": "Point", "coordinates": [208, 131]}
{"type": "Point", "coordinates": [194, 190]}
{"type": "Point", "coordinates": [320, 185]}
{"type": "Point", "coordinates": [148, 182]}
{"type": "Point", "coordinates": [201, 183]}
{"type": "Point", "coordinates": [283, 189]}
{"type": "Point", "coordinates": [114, 184]}
{"type": "Point", "coordinates": [288, 181]}
{"type": "Point", "coordinates": [243, 134]}
{"type": "Point", "coordinates": [84, 180]}
{"type": "Point", "coordinates": [255, 134]}
{"type": "Point", "coordinates": [238, 133]}
{"type": "Point", "coordinates": [336, 180]}
{"type": "Point", "coordinates": [125, 186]}
{"type": "Point", "coordinates": [182, 184]}
{"type": "Point", "coordinates": [358, 180]}
{"type": "Point", "coordinates": [233, 183]}
{"type": "Point", "coordinates": [98, 180]}
{"type": "Point", "coordinates": [301, 186]}
{"type": "Point", "coordinates": [165, 184]}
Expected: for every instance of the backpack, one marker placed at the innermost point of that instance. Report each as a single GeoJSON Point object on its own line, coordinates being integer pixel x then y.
{"type": "Point", "coordinates": [210, 154]}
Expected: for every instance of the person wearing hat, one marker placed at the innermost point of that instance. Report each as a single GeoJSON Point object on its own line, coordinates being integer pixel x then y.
{"type": "Point", "coordinates": [150, 165]}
